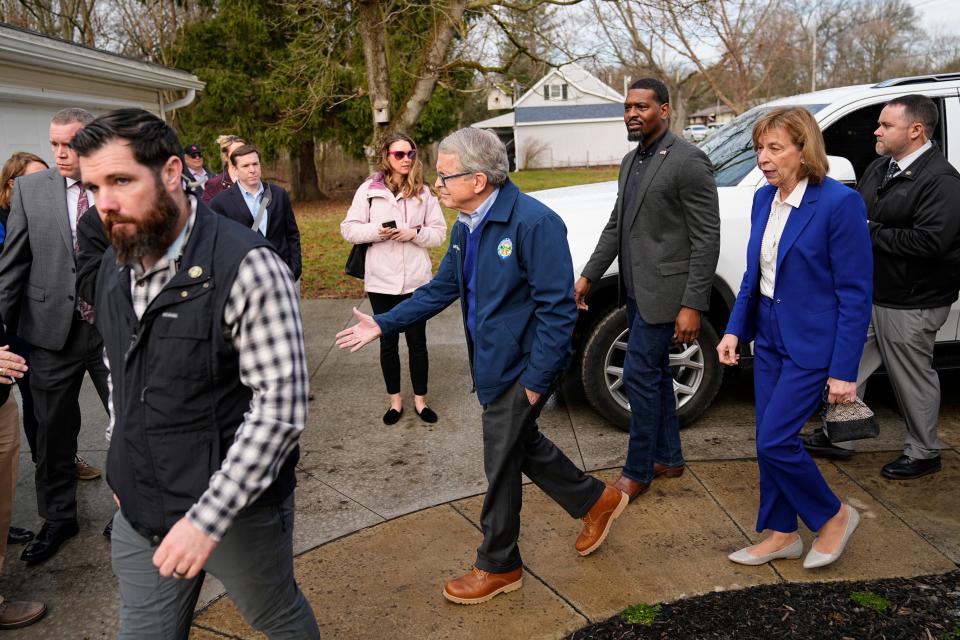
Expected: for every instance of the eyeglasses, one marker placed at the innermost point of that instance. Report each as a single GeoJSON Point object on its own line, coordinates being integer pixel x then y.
{"type": "Point", "coordinates": [195, 155]}
{"type": "Point", "coordinates": [443, 179]}
{"type": "Point", "coordinates": [400, 155]}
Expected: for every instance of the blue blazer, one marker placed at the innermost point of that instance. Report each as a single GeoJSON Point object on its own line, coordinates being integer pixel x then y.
{"type": "Point", "coordinates": [824, 281]}
{"type": "Point", "coordinates": [525, 314]}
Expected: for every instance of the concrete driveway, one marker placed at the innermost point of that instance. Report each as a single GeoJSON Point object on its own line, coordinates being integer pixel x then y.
{"type": "Point", "coordinates": [386, 514]}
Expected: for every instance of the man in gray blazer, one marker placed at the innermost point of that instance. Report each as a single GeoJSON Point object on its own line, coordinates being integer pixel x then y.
{"type": "Point", "coordinates": [38, 297]}
{"type": "Point", "coordinates": [665, 228]}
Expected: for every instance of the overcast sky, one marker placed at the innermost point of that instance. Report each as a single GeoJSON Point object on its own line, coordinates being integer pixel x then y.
{"type": "Point", "coordinates": [939, 15]}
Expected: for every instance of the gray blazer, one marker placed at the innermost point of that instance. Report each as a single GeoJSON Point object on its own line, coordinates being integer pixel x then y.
{"type": "Point", "coordinates": [675, 237]}
{"type": "Point", "coordinates": [37, 266]}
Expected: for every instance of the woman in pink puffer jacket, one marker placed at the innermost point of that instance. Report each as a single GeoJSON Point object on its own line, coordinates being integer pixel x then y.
{"type": "Point", "coordinates": [401, 218]}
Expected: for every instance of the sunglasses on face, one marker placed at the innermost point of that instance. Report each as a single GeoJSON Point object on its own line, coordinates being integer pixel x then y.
{"type": "Point", "coordinates": [400, 155]}
{"type": "Point", "coordinates": [195, 155]}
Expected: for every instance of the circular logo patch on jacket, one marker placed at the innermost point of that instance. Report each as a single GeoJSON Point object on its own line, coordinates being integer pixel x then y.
{"type": "Point", "coordinates": [505, 248]}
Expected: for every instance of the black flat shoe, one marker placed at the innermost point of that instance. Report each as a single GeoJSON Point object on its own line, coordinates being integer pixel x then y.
{"type": "Point", "coordinates": [392, 416]}
{"type": "Point", "coordinates": [48, 541]}
{"type": "Point", "coordinates": [427, 415]}
{"type": "Point", "coordinates": [907, 468]}
{"type": "Point", "coordinates": [819, 445]}
{"type": "Point", "coordinates": [16, 535]}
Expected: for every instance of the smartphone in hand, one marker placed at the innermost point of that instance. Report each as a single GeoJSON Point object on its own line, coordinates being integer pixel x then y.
{"type": "Point", "coordinates": [389, 224]}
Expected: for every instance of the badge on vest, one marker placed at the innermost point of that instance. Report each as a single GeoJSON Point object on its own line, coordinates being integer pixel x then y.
{"type": "Point", "coordinates": [505, 248]}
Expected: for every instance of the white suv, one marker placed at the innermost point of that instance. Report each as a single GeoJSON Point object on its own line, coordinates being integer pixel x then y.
{"type": "Point", "coordinates": [847, 116]}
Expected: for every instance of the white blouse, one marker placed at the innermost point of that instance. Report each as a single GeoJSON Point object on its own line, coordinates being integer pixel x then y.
{"type": "Point", "coordinates": [770, 244]}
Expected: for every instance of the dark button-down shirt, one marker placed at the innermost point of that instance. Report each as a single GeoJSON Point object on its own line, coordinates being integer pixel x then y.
{"type": "Point", "coordinates": [631, 202]}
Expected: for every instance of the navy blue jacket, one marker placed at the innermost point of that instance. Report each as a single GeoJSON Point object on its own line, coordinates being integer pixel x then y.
{"type": "Point", "coordinates": [524, 313]}
{"type": "Point", "coordinates": [824, 280]}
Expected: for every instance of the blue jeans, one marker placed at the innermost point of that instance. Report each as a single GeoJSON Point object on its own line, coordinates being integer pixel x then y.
{"type": "Point", "coordinates": [654, 429]}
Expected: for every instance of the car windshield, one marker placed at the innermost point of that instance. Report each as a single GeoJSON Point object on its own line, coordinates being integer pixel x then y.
{"type": "Point", "coordinates": [730, 149]}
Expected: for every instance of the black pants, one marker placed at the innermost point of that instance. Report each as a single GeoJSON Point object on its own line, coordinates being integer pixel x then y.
{"type": "Point", "coordinates": [22, 348]}
{"type": "Point", "coordinates": [513, 445]}
{"type": "Point", "coordinates": [56, 380]}
{"type": "Point", "coordinates": [390, 347]}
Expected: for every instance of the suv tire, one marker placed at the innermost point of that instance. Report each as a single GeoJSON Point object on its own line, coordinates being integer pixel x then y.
{"type": "Point", "coordinates": [696, 370]}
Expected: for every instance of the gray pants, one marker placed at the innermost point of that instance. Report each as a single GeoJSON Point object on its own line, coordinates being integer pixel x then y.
{"type": "Point", "coordinates": [902, 340]}
{"type": "Point", "coordinates": [512, 446]}
{"type": "Point", "coordinates": [254, 560]}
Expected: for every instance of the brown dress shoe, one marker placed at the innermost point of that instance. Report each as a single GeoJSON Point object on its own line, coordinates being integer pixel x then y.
{"type": "Point", "coordinates": [667, 472]}
{"type": "Point", "coordinates": [479, 585]}
{"type": "Point", "coordinates": [596, 524]}
{"type": "Point", "coordinates": [14, 615]}
{"type": "Point", "coordinates": [86, 471]}
{"type": "Point", "coordinates": [632, 488]}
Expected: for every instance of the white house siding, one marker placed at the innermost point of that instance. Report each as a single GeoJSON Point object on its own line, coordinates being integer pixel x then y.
{"type": "Point", "coordinates": [571, 144]}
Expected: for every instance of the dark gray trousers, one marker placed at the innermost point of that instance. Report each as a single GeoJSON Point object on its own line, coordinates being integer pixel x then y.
{"type": "Point", "coordinates": [254, 561]}
{"type": "Point", "coordinates": [512, 446]}
{"type": "Point", "coordinates": [56, 378]}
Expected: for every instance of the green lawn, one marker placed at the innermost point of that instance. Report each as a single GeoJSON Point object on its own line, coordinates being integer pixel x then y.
{"type": "Point", "coordinates": [325, 251]}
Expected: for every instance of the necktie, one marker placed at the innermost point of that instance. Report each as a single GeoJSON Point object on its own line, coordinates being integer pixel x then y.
{"type": "Point", "coordinates": [84, 307]}
{"type": "Point", "coordinates": [892, 170]}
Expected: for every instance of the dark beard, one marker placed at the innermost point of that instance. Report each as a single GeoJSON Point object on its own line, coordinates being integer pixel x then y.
{"type": "Point", "coordinates": [153, 235]}
{"type": "Point", "coordinates": [635, 136]}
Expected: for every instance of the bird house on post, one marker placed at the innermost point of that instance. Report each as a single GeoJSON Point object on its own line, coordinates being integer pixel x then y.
{"type": "Point", "coordinates": [381, 111]}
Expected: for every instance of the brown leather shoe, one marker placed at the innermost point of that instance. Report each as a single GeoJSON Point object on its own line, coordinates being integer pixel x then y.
{"type": "Point", "coordinates": [596, 524]}
{"type": "Point", "coordinates": [14, 615]}
{"type": "Point", "coordinates": [479, 585]}
{"type": "Point", "coordinates": [632, 488]}
{"type": "Point", "coordinates": [86, 471]}
{"type": "Point", "coordinates": [667, 472]}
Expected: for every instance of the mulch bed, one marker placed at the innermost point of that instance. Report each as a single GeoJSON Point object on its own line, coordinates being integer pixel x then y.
{"type": "Point", "coordinates": [926, 608]}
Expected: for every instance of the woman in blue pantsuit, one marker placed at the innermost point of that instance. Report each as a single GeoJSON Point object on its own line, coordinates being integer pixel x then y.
{"type": "Point", "coordinates": [805, 302]}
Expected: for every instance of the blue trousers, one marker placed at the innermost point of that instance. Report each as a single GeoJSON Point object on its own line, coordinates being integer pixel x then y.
{"type": "Point", "coordinates": [787, 395]}
{"type": "Point", "coordinates": [654, 429]}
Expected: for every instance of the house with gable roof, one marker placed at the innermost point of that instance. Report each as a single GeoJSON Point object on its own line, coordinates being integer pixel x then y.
{"type": "Point", "coordinates": [569, 118]}
{"type": "Point", "coordinates": [39, 75]}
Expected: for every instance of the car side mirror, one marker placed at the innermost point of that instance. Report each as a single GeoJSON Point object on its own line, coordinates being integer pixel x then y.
{"type": "Point", "coordinates": [842, 170]}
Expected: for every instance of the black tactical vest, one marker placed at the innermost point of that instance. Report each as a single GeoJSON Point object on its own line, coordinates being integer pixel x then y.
{"type": "Point", "coordinates": [177, 396]}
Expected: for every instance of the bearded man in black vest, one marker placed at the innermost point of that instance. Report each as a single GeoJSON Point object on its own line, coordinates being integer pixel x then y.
{"type": "Point", "coordinates": [208, 391]}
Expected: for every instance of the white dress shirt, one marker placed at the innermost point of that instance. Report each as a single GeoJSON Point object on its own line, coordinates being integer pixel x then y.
{"type": "Point", "coordinates": [770, 244]}
{"type": "Point", "coordinates": [905, 162]}
{"type": "Point", "coordinates": [73, 198]}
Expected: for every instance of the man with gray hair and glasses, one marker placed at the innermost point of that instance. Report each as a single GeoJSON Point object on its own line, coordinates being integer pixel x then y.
{"type": "Point", "coordinates": [509, 265]}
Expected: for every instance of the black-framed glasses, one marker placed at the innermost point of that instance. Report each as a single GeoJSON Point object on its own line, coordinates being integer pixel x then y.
{"type": "Point", "coordinates": [443, 179]}
{"type": "Point", "coordinates": [400, 155]}
{"type": "Point", "coordinates": [195, 155]}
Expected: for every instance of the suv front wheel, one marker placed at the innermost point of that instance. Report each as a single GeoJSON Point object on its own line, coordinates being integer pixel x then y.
{"type": "Point", "coordinates": [696, 371]}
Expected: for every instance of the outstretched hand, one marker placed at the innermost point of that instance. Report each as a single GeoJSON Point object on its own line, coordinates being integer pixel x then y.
{"type": "Point", "coordinates": [360, 334]}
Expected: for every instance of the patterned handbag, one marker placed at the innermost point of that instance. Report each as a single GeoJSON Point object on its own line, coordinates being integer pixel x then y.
{"type": "Point", "coordinates": [849, 421]}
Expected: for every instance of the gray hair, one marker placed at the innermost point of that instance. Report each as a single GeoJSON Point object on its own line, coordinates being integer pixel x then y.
{"type": "Point", "coordinates": [71, 115]}
{"type": "Point", "coordinates": [479, 151]}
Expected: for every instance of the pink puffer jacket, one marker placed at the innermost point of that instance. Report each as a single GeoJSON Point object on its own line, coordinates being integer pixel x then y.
{"type": "Point", "coordinates": [394, 267]}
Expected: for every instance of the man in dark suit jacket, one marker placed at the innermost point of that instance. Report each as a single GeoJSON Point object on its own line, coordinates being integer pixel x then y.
{"type": "Point", "coordinates": [242, 201]}
{"type": "Point", "coordinates": [38, 295]}
{"type": "Point", "coordinates": [665, 228]}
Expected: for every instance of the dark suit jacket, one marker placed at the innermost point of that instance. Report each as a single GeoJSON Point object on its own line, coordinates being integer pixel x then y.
{"type": "Point", "coordinates": [823, 283]}
{"type": "Point", "coordinates": [37, 267]}
{"type": "Point", "coordinates": [282, 230]}
{"type": "Point", "coordinates": [93, 242]}
{"type": "Point", "coordinates": [675, 236]}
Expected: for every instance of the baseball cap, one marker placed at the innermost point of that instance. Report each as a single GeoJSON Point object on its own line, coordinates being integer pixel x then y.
{"type": "Point", "coordinates": [193, 150]}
